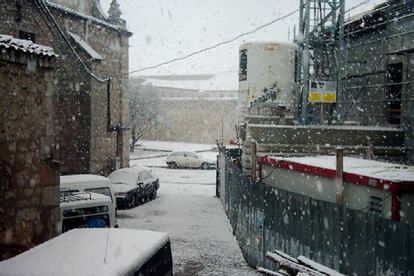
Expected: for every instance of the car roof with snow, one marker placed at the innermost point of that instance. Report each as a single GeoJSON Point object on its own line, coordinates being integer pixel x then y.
{"type": "Point", "coordinates": [68, 198]}
{"type": "Point", "coordinates": [125, 175]}
{"type": "Point", "coordinates": [81, 252]}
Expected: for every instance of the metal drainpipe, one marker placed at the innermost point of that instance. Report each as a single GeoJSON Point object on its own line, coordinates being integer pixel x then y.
{"type": "Point", "coordinates": [108, 105]}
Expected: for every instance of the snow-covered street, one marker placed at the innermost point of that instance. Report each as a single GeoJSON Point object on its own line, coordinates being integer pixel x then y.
{"type": "Point", "coordinates": [187, 209]}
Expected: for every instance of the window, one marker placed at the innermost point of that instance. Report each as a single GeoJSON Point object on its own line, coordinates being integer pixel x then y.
{"type": "Point", "coordinates": [27, 36]}
{"type": "Point", "coordinates": [243, 65]}
{"type": "Point", "coordinates": [143, 175]}
{"type": "Point", "coordinates": [191, 154]}
{"type": "Point", "coordinates": [394, 79]}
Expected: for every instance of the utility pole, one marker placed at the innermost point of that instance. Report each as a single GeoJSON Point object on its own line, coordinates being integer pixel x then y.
{"type": "Point", "coordinates": [341, 62]}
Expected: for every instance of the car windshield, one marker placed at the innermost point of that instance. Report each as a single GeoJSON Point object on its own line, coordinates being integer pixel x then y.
{"type": "Point", "coordinates": [263, 136]}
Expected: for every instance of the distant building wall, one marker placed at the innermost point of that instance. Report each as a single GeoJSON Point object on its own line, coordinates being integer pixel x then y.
{"type": "Point", "coordinates": [29, 175]}
{"type": "Point", "coordinates": [198, 117]}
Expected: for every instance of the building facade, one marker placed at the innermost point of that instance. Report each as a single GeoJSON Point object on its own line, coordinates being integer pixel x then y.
{"type": "Point", "coordinates": [64, 108]}
{"type": "Point", "coordinates": [190, 115]}
{"type": "Point", "coordinates": [29, 186]}
{"type": "Point", "coordinates": [379, 71]}
{"type": "Point", "coordinates": [92, 103]}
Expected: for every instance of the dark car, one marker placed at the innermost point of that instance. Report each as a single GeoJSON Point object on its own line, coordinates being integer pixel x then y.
{"type": "Point", "coordinates": [132, 186]}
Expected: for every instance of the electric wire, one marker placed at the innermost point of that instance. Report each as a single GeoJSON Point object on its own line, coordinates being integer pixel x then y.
{"type": "Point", "coordinates": [45, 8]}
{"type": "Point", "coordinates": [215, 45]}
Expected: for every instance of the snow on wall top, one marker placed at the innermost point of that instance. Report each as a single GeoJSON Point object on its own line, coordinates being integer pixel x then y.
{"type": "Point", "coordinates": [364, 9]}
{"type": "Point", "coordinates": [82, 43]}
{"type": "Point", "coordinates": [370, 168]}
{"type": "Point", "coordinates": [82, 178]}
{"type": "Point", "coordinates": [83, 16]}
{"type": "Point", "coordinates": [226, 81]}
{"type": "Point", "coordinates": [82, 252]}
{"type": "Point", "coordinates": [26, 46]}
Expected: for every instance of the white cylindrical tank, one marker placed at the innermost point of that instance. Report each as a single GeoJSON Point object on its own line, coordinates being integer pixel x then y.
{"type": "Point", "coordinates": [262, 64]}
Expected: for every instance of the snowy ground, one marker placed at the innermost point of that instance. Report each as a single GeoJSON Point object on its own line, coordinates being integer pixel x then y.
{"type": "Point", "coordinates": [187, 209]}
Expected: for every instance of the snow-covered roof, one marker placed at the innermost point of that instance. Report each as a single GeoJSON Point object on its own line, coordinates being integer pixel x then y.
{"type": "Point", "coordinates": [363, 167]}
{"type": "Point", "coordinates": [80, 198]}
{"type": "Point", "coordinates": [83, 16]}
{"type": "Point", "coordinates": [88, 252]}
{"type": "Point", "coordinates": [85, 46]}
{"type": "Point", "coordinates": [364, 9]}
{"type": "Point", "coordinates": [219, 82]}
{"type": "Point", "coordinates": [26, 46]}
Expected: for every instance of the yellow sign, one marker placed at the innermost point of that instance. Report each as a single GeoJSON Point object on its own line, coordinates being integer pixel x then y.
{"type": "Point", "coordinates": [322, 92]}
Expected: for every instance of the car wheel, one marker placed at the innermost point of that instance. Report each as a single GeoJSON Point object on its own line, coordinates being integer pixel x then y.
{"type": "Point", "coordinates": [136, 200]}
{"type": "Point", "coordinates": [131, 202]}
{"type": "Point", "coordinates": [205, 166]}
{"type": "Point", "coordinates": [172, 165]}
{"type": "Point", "coordinates": [154, 194]}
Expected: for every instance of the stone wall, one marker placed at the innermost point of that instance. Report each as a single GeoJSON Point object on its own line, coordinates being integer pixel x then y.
{"type": "Point", "coordinates": [29, 187]}
{"type": "Point", "coordinates": [103, 147]}
{"type": "Point", "coordinates": [196, 120]}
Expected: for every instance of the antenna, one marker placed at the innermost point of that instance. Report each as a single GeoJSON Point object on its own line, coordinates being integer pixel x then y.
{"type": "Point", "coordinates": [106, 247]}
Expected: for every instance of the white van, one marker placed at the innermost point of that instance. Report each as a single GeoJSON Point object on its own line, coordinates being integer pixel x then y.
{"type": "Point", "coordinates": [85, 252]}
{"type": "Point", "coordinates": [87, 183]}
{"type": "Point", "coordinates": [86, 210]}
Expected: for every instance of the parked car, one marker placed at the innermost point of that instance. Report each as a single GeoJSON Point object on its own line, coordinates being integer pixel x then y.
{"type": "Point", "coordinates": [89, 183]}
{"type": "Point", "coordinates": [86, 252]}
{"type": "Point", "coordinates": [188, 159]}
{"type": "Point", "coordinates": [85, 210]}
{"type": "Point", "coordinates": [133, 186]}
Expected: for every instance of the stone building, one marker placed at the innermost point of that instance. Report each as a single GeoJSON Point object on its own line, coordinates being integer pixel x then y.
{"type": "Point", "coordinates": [91, 111]}
{"type": "Point", "coordinates": [63, 110]}
{"type": "Point", "coordinates": [193, 111]}
{"type": "Point", "coordinates": [29, 185]}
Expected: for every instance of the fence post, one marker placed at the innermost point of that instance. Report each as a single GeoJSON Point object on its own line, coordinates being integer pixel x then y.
{"type": "Point", "coordinates": [339, 179]}
{"type": "Point", "coordinates": [254, 161]}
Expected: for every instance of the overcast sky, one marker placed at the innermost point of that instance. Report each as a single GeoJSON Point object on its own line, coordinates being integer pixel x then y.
{"type": "Point", "coordinates": [167, 29]}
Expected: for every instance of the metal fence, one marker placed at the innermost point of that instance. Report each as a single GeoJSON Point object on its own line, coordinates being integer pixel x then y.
{"type": "Point", "coordinates": [264, 218]}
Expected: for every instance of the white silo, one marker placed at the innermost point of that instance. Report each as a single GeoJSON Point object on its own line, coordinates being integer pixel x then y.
{"type": "Point", "coordinates": [262, 65]}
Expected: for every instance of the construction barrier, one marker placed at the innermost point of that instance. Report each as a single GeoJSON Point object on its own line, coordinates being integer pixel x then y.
{"type": "Point", "coordinates": [264, 219]}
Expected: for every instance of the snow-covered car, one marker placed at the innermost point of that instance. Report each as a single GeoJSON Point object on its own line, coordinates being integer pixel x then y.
{"type": "Point", "coordinates": [133, 186]}
{"type": "Point", "coordinates": [85, 210]}
{"type": "Point", "coordinates": [85, 252]}
{"type": "Point", "coordinates": [188, 159]}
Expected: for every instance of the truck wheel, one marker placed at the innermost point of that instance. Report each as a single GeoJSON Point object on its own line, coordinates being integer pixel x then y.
{"type": "Point", "coordinates": [205, 166]}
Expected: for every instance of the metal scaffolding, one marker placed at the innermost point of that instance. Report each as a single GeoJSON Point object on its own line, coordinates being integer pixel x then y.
{"type": "Point", "coordinates": [321, 34]}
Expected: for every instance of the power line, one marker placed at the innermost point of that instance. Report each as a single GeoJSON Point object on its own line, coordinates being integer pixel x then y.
{"type": "Point", "coordinates": [214, 46]}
